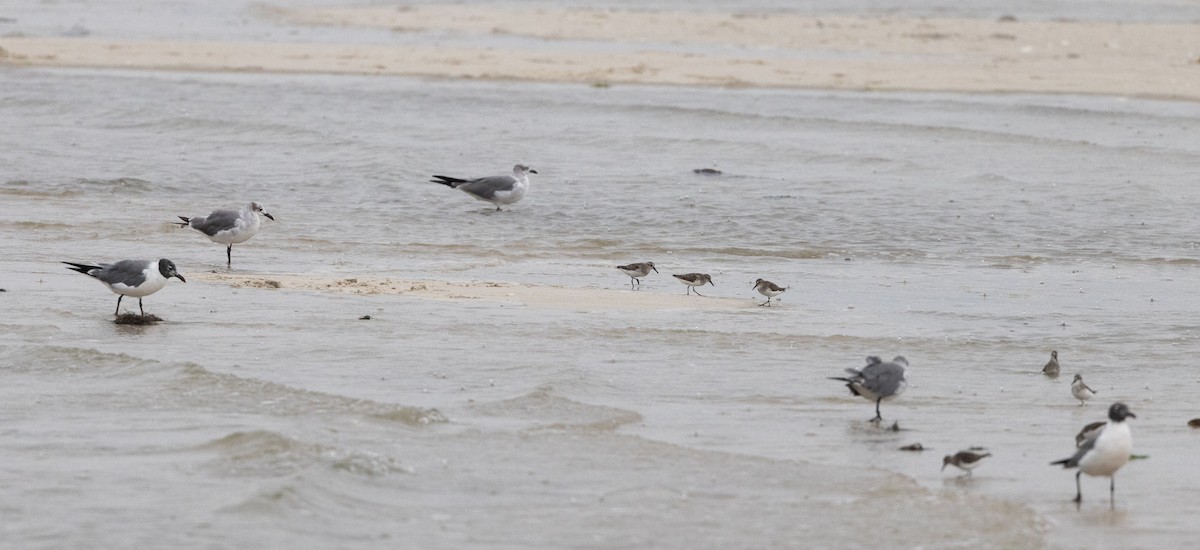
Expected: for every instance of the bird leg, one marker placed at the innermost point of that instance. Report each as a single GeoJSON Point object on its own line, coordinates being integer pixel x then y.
{"type": "Point", "coordinates": [697, 292]}
{"type": "Point", "coordinates": [140, 307]}
{"type": "Point", "coordinates": [118, 311]}
{"type": "Point", "coordinates": [1078, 492]}
{"type": "Point", "coordinates": [229, 256]}
{"type": "Point", "coordinates": [878, 417]}
{"type": "Point", "coordinates": [1112, 492]}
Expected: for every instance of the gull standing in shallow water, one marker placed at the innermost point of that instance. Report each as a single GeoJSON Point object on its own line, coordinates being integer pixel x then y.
{"type": "Point", "coordinates": [877, 381]}
{"type": "Point", "coordinates": [636, 271]}
{"type": "Point", "coordinates": [1105, 453]}
{"type": "Point", "coordinates": [964, 460]}
{"type": "Point", "coordinates": [137, 278]}
{"type": "Point", "coordinates": [768, 289]}
{"type": "Point", "coordinates": [1080, 390]}
{"type": "Point", "coordinates": [228, 227]}
{"type": "Point", "coordinates": [497, 190]}
{"type": "Point", "coordinates": [1052, 369]}
{"type": "Point", "coordinates": [694, 280]}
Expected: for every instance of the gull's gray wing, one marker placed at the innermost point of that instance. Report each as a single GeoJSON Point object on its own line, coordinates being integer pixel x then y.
{"type": "Point", "coordinates": [218, 221]}
{"type": "Point", "coordinates": [882, 378]}
{"type": "Point", "coordinates": [130, 273]}
{"type": "Point", "coordinates": [486, 188]}
{"type": "Point", "coordinates": [1082, 450]}
{"type": "Point", "coordinates": [1089, 432]}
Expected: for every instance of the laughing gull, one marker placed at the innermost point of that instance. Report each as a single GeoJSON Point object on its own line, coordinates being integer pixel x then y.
{"type": "Point", "coordinates": [636, 271]}
{"type": "Point", "coordinates": [137, 278]}
{"type": "Point", "coordinates": [877, 381]}
{"type": "Point", "coordinates": [768, 289]}
{"type": "Point", "coordinates": [694, 280]}
{"type": "Point", "coordinates": [228, 227]}
{"type": "Point", "coordinates": [1080, 390]}
{"type": "Point", "coordinates": [497, 190]}
{"type": "Point", "coordinates": [964, 460]}
{"type": "Point", "coordinates": [1105, 453]}
{"type": "Point", "coordinates": [1052, 369]}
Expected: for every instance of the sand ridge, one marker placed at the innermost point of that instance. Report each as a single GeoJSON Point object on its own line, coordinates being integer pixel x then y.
{"type": "Point", "coordinates": [722, 49]}
{"type": "Point", "coordinates": [549, 297]}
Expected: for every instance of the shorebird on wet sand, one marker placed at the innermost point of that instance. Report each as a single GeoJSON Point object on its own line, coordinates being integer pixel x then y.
{"type": "Point", "coordinates": [877, 381]}
{"type": "Point", "coordinates": [637, 271]}
{"type": "Point", "coordinates": [694, 280]}
{"type": "Point", "coordinates": [498, 190]}
{"type": "Point", "coordinates": [964, 460]}
{"type": "Point", "coordinates": [137, 278]}
{"type": "Point", "coordinates": [228, 227]}
{"type": "Point", "coordinates": [1080, 390]}
{"type": "Point", "coordinates": [768, 289]}
{"type": "Point", "coordinates": [1105, 453]}
{"type": "Point", "coordinates": [1052, 369]}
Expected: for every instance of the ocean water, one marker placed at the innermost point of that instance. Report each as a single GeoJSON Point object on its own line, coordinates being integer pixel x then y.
{"type": "Point", "coordinates": [971, 233]}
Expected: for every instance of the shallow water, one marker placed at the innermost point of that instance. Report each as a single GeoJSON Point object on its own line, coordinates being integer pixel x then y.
{"type": "Point", "coordinates": [971, 233]}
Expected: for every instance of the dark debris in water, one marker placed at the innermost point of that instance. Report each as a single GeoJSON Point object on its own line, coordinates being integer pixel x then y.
{"type": "Point", "coordinates": [707, 171]}
{"type": "Point", "coordinates": [1195, 422]}
{"type": "Point", "coordinates": [137, 320]}
{"type": "Point", "coordinates": [365, 318]}
{"type": "Point", "coordinates": [913, 447]}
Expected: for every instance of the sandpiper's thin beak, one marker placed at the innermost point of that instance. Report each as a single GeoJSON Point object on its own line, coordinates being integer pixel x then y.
{"type": "Point", "coordinates": [944, 466]}
{"type": "Point", "coordinates": [654, 268]}
{"type": "Point", "coordinates": [710, 282]}
{"type": "Point", "coordinates": [532, 171]}
{"type": "Point", "coordinates": [269, 216]}
{"type": "Point", "coordinates": [180, 277]}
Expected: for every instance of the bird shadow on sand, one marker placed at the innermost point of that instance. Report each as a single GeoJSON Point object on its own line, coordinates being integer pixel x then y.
{"type": "Point", "coordinates": [137, 320]}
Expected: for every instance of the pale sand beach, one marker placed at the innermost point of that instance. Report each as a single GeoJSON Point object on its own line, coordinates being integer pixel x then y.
{"type": "Point", "coordinates": [722, 49]}
{"type": "Point", "coordinates": [550, 297]}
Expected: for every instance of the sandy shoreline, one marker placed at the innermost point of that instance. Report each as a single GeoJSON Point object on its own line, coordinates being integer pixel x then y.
{"type": "Point", "coordinates": [780, 50]}
{"type": "Point", "coordinates": [549, 297]}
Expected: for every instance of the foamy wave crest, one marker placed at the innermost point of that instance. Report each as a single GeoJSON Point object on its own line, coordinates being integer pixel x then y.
{"type": "Point", "coordinates": [232, 393]}
{"type": "Point", "coordinates": [548, 411]}
{"type": "Point", "coordinates": [266, 453]}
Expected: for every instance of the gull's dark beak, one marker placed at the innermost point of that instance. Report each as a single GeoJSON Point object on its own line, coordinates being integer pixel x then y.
{"type": "Point", "coordinates": [532, 171]}
{"type": "Point", "coordinates": [1131, 415]}
{"type": "Point", "coordinates": [269, 216]}
{"type": "Point", "coordinates": [180, 277]}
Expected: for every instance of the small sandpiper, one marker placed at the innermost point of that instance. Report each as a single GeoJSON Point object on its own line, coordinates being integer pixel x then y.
{"type": "Point", "coordinates": [1080, 390]}
{"type": "Point", "coordinates": [637, 271]}
{"type": "Point", "coordinates": [693, 280]}
{"type": "Point", "coordinates": [1052, 369]}
{"type": "Point", "coordinates": [768, 289]}
{"type": "Point", "coordinates": [964, 460]}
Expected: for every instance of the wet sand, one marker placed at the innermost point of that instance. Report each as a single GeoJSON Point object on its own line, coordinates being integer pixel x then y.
{"type": "Point", "coordinates": [552, 297]}
{"type": "Point", "coordinates": [722, 49]}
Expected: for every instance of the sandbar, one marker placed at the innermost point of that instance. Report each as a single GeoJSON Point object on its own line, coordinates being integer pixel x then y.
{"type": "Point", "coordinates": [606, 47]}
